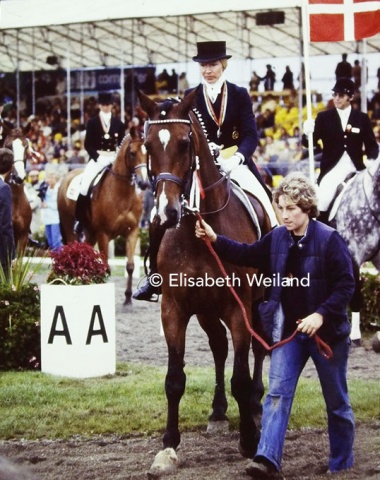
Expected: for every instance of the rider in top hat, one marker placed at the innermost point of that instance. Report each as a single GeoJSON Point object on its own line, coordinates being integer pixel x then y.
{"type": "Point", "coordinates": [104, 133]}
{"type": "Point", "coordinates": [344, 131]}
{"type": "Point", "coordinates": [226, 110]}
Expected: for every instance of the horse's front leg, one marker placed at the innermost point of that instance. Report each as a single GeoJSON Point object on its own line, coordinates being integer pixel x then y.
{"type": "Point", "coordinates": [356, 304]}
{"type": "Point", "coordinates": [217, 337]}
{"type": "Point", "coordinates": [257, 388]}
{"type": "Point", "coordinates": [175, 383]}
{"type": "Point", "coordinates": [130, 247]}
{"type": "Point", "coordinates": [241, 388]}
{"type": "Point", "coordinates": [174, 325]}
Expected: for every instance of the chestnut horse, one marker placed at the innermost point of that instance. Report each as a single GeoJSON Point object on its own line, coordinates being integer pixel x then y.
{"type": "Point", "coordinates": [192, 283]}
{"type": "Point", "coordinates": [21, 210]}
{"type": "Point", "coordinates": [116, 204]}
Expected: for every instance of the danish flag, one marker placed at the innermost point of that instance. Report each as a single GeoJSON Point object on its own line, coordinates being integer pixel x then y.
{"type": "Point", "coordinates": [343, 20]}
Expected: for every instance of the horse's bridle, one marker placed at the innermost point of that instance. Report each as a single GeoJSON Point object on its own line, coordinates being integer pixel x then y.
{"type": "Point", "coordinates": [186, 182]}
{"type": "Point", "coordinates": [170, 177]}
{"type": "Point", "coordinates": [137, 167]}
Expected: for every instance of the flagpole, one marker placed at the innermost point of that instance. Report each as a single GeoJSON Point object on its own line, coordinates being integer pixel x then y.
{"type": "Point", "coordinates": [306, 56]}
{"type": "Point", "coordinates": [364, 79]}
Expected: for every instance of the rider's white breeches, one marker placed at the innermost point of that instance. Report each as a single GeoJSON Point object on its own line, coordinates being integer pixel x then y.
{"type": "Point", "coordinates": [92, 169]}
{"type": "Point", "coordinates": [329, 183]}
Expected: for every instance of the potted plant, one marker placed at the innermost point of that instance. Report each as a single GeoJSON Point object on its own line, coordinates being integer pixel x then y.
{"type": "Point", "coordinates": [78, 314]}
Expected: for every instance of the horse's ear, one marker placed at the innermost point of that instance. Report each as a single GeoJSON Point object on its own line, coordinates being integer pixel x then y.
{"type": "Point", "coordinates": [188, 102]}
{"type": "Point", "coordinates": [148, 105]}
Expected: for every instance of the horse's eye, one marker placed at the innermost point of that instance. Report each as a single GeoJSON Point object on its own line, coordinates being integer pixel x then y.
{"type": "Point", "coordinates": [183, 145]}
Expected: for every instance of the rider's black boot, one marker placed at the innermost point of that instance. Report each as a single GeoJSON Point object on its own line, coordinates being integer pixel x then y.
{"type": "Point", "coordinates": [149, 291]}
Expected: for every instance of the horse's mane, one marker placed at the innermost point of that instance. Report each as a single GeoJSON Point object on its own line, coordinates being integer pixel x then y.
{"type": "Point", "coordinates": [122, 143]}
{"type": "Point", "coordinates": [128, 135]}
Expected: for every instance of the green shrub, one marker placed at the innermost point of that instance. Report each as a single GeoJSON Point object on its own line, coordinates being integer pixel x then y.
{"type": "Point", "coordinates": [144, 241]}
{"type": "Point", "coordinates": [20, 327]}
{"type": "Point", "coordinates": [370, 313]}
{"type": "Point", "coordinates": [19, 316]}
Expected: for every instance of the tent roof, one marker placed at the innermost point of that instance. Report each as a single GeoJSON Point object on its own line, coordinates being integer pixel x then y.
{"type": "Point", "coordinates": [94, 33]}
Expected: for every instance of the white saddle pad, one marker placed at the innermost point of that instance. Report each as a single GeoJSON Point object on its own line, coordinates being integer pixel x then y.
{"type": "Point", "coordinates": [248, 205]}
{"type": "Point", "coordinates": [73, 189]}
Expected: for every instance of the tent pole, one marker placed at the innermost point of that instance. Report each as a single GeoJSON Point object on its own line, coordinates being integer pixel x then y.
{"type": "Point", "coordinates": [33, 86]}
{"type": "Point", "coordinates": [306, 56]}
{"type": "Point", "coordinates": [122, 90]}
{"type": "Point", "coordinates": [18, 81]}
{"type": "Point", "coordinates": [300, 81]}
{"type": "Point", "coordinates": [68, 96]}
{"type": "Point", "coordinates": [363, 74]}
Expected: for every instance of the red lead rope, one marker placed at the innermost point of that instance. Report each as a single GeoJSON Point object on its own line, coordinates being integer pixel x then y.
{"type": "Point", "coordinates": [323, 348]}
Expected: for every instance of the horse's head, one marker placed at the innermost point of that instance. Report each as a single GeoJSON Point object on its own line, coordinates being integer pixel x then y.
{"type": "Point", "coordinates": [136, 158]}
{"type": "Point", "coordinates": [19, 144]}
{"type": "Point", "coordinates": [170, 149]}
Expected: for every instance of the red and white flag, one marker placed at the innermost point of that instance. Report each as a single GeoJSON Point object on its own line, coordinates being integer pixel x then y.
{"type": "Point", "coordinates": [341, 20]}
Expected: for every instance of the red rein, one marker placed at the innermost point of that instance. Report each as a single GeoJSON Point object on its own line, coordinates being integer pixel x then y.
{"type": "Point", "coordinates": [323, 348]}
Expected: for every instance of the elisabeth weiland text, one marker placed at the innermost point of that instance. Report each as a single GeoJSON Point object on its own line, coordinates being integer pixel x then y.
{"type": "Point", "coordinates": [255, 279]}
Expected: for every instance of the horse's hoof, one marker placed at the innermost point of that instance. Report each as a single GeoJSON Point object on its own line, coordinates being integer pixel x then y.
{"type": "Point", "coordinates": [249, 449]}
{"type": "Point", "coordinates": [128, 299]}
{"type": "Point", "coordinates": [246, 452]}
{"type": "Point", "coordinates": [218, 428]}
{"type": "Point", "coordinates": [166, 461]}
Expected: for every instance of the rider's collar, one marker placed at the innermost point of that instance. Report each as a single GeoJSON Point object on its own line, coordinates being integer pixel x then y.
{"type": "Point", "coordinates": [213, 89]}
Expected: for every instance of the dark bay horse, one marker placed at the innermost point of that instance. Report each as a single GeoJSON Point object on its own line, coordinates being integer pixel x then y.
{"type": "Point", "coordinates": [116, 203]}
{"type": "Point", "coordinates": [21, 210]}
{"type": "Point", "coordinates": [178, 151]}
{"type": "Point", "coordinates": [358, 221]}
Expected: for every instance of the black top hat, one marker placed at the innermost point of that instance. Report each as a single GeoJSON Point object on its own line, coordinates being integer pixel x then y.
{"type": "Point", "coordinates": [105, 98]}
{"type": "Point", "coordinates": [210, 52]}
{"type": "Point", "coordinates": [344, 85]}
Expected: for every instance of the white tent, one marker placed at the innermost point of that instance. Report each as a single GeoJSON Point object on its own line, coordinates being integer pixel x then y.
{"type": "Point", "coordinates": [94, 33]}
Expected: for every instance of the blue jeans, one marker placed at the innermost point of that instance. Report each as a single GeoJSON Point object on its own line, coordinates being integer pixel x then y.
{"type": "Point", "coordinates": [53, 236]}
{"type": "Point", "coordinates": [286, 365]}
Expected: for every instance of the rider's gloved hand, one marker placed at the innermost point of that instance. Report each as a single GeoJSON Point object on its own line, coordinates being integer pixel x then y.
{"type": "Point", "coordinates": [308, 126]}
{"type": "Point", "coordinates": [228, 164]}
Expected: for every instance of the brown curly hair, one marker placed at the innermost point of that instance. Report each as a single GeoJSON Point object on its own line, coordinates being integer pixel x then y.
{"type": "Point", "coordinates": [298, 188]}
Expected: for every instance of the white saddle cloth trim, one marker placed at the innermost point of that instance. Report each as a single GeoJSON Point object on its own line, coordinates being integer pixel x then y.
{"type": "Point", "coordinates": [73, 190]}
{"type": "Point", "coordinates": [248, 182]}
{"type": "Point", "coordinates": [242, 196]}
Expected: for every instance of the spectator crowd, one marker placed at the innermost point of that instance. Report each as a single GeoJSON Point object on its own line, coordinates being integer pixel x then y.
{"type": "Point", "coordinates": [278, 124]}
